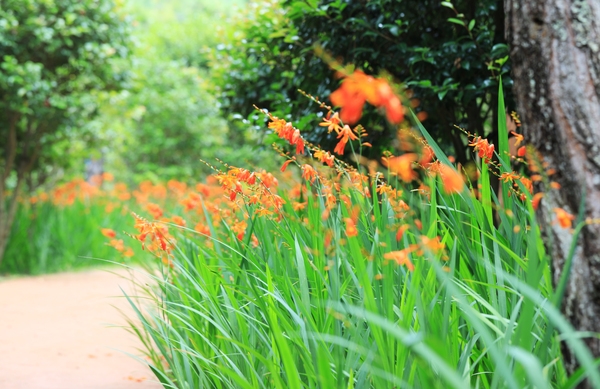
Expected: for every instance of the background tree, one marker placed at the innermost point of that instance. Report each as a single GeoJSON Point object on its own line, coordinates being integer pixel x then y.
{"type": "Point", "coordinates": [443, 51]}
{"type": "Point", "coordinates": [53, 53]}
{"type": "Point", "coordinates": [555, 52]}
{"type": "Point", "coordinates": [167, 120]}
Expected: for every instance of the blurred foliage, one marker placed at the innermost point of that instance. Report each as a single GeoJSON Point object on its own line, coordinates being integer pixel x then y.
{"type": "Point", "coordinates": [53, 55]}
{"type": "Point", "coordinates": [167, 120]}
{"type": "Point", "coordinates": [180, 29]}
{"type": "Point", "coordinates": [444, 52]}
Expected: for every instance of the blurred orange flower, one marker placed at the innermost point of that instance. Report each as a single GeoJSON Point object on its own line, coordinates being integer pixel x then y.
{"type": "Point", "coordinates": [309, 173]}
{"type": "Point", "coordinates": [332, 124]}
{"type": "Point", "coordinates": [286, 131]}
{"type": "Point", "coordinates": [178, 220]}
{"type": "Point", "coordinates": [451, 179]}
{"type": "Point", "coordinates": [535, 201]}
{"type": "Point", "coordinates": [203, 229]}
{"type": "Point", "coordinates": [154, 210]}
{"type": "Point", "coordinates": [564, 218]}
{"type": "Point", "coordinates": [108, 233]}
{"type": "Point", "coordinates": [486, 151]}
{"type": "Point", "coordinates": [401, 258]}
{"type": "Point", "coordinates": [345, 134]}
{"type": "Point", "coordinates": [351, 229]}
{"type": "Point", "coordinates": [402, 166]}
{"type": "Point", "coordinates": [358, 88]}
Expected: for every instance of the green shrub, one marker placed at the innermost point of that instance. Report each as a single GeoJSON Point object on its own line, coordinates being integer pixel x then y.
{"type": "Point", "coordinates": [445, 58]}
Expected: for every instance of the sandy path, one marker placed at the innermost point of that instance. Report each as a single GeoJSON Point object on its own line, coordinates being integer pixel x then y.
{"type": "Point", "coordinates": [56, 332]}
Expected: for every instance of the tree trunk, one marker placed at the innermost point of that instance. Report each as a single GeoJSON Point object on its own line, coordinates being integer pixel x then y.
{"type": "Point", "coordinates": [555, 52]}
{"type": "Point", "coordinates": [8, 212]}
{"type": "Point", "coordinates": [19, 160]}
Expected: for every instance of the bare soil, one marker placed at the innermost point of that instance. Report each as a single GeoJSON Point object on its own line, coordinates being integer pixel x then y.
{"type": "Point", "coordinates": [65, 331]}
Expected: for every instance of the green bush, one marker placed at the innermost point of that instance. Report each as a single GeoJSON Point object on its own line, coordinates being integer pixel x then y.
{"type": "Point", "coordinates": [61, 230]}
{"type": "Point", "coordinates": [445, 58]}
{"type": "Point", "coordinates": [54, 55]}
{"type": "Point", "coordinates": [167, 120]}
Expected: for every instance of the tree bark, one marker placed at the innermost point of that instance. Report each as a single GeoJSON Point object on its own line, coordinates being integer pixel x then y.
{"type": "Point", "coordinates": [555, 52]}
{"type": "Point", "coordinates": [20, 161]}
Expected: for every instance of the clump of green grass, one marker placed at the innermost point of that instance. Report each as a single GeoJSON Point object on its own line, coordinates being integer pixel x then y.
{"type": "Point", "coordinates": [402, 288]}
{"type": "Point", "coordinates": [61, 229]}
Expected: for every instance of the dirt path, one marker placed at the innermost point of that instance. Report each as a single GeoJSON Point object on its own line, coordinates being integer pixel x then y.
{"type": "Point", "coordinates": [57, 332]}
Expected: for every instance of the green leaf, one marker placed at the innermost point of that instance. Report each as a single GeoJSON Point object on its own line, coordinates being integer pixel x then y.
{"type": "Point", "coordinates": [456, 21]}
{"type": "Point", "coordinates": [471, 24]}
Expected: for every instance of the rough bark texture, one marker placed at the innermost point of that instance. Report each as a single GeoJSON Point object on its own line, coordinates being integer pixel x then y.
{"type": "Point", "coordinates": [555, 51]}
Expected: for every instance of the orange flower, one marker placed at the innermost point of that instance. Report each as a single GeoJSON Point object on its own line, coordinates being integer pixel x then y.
{"type": "Point", "coordinates": [350, 97]}
{"type": "Point", "coordinates": [158, 234]}
{"type": "Point", "coordinates": [346, 133]}
{"type": "Point", "coordinates": [402, 166]}
{"type": "Point", "coordinates": [535, 201]}
{"type": "Point", "coordinates": [394, 110]}
{"type": "Point", "coordinates": [108, 233]}
{"type": "Point", "coordinates": [154, 210]}
{"type": "Point", "coordinates": [239, 229]}
{"type": "Point", "coordinates": [518, 138]}
{"type": "Point", "coordinates": [358, 88]}
{"type": "Point", "coordinates": [286, 131]}
{"type": "Point", "coordinates": [325, 157]}
{"type": "Point", "coordinates": [509, 176]}
{"type": "Point", "coordinates": [309, 173]}
{"type": "Point", "coordinates": [178, 220]}
{"type": "Point", "coordinates": [433, 244]}
{"type": "Point", "coordinates": [124, 196]}
{"type": "Point", "coordinates": [427, 155]}
{"type": "Point", "coordinates": [564, 218]}
{"type": "Point", "coordinates": [451, 179]}
{"type": "Point", "coordinates": [285, 165]}
{"type": "Point", "coordinates": [117, 244]}
{"type": "Point", "coordinates": [486, 151]}
{"type": "Point", "coordinates": [401, 258]}
{"type": "Point", "coordinates": [351, 229]}
{"type": "Point", "coordinates": [419, 224]}
{"type": "Point", "coordinates": [527, 183]}
{"type": "Point", "coordinates": [339, 148]}
{"type": "Point", "coordinates": [176, 186]}
{"type": "Point", "coordinates": [203, 229]}
{"type": "Point", "coordinates": [401, 231]}
{"type": "Point", "coordinates": [332, 124]}
{"type": "Point", "coordinates": [299, 206]}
